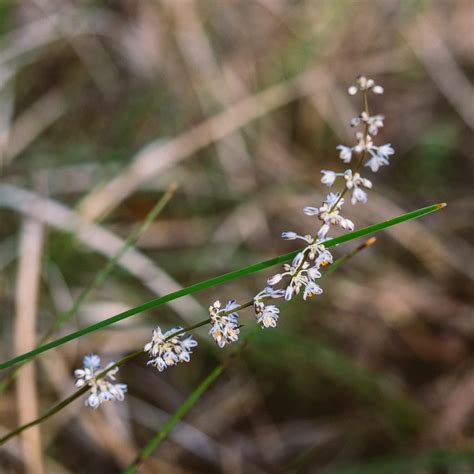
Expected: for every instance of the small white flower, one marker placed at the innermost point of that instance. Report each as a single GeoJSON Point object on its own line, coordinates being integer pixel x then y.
{"type": "Point", "coordinates": [329, 177]}
{"type": "Point", "coordinates": [289, 235]}
{"type": "Point", "coordinates": [293, 235]}
{"type": "Point", "coordinates": [377, 90]}
{"type": "Point", "coordinates": [101, 389]}
{"type": "Point", "coordinates": [311, 289]}
{"type": "Point", "coordinates": [346, 153]}
{"type": "Point", "coordinates": [354, 183]}
{"type": "Point", "coordinates": [358, 195]}
{"type": "Point", "coordinates": [311, 211]}
{"type": "Point", "coordinates": [319, 254]}
{"type": "Point", "coordinates": [275, 279]}
{"type": "Point", "coordinates": [352, 90]}
{"type": "Point", "coordinates": [363, 84]}
{"type": "Point", "coordinates": [379, 156]}
{"type": "Point", "coordinates": [269, 292]}
{"type": "Point", "coordinates": [169, 348]}
{"type": "Point", "coordinates": [374, 122]}
{"type": "Point", "coordinates": [385, 150]}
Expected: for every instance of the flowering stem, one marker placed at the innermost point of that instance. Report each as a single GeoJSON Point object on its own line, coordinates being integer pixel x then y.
{"type": "Point", "coordinates": [362, 156]}
{"type": "Point", "coordinates": [135, 354]}
{"type": "Point", "coordinates": [344, 191]}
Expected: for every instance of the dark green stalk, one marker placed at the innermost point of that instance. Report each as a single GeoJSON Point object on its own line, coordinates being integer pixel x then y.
{"type": "Point", "coordinates": [217, 281]}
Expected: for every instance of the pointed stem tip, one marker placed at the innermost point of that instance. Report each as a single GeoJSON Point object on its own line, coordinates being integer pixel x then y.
{"type": "Point", "coordinates": [173, 187]}
{"type": "Point", "coordinates": [442, 204]}
{"type": "Point", "coordinates": [370, 241]}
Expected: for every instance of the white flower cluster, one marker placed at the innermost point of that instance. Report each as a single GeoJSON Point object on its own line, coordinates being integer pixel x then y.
{"type": "Point", "coordinates": [329, 215]}
{"type": "Point", "coordinates": [267, 315]}
{"type": "Point", "coordinates": [169, 348]}
{"type": "Point", "coordinates": [379, 155]}
{"type": "Point", "coordinates": [224, 322]}
{"type": "Point", "coordinates": [102, 390]}
{"type": "Point", "coordinates": [304, 270]}
{"type": "Point", "coordinates": [364, 84]}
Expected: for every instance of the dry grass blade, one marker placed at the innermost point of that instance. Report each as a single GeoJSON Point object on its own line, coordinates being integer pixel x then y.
{"type": "Point", "coordinates": [29, 272]}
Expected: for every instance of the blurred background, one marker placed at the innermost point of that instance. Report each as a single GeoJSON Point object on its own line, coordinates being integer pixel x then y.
{"type": "Point", "coordinates": [103, 104]}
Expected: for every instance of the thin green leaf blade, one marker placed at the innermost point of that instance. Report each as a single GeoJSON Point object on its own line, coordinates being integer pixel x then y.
{"type": "Point", "coordinates": [217, 281]}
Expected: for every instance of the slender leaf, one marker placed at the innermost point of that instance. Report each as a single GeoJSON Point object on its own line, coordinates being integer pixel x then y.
{"type": "Point", "coordinates": [217, 281]}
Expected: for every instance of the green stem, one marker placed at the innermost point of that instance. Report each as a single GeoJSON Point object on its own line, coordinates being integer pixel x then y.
{"type": "Point", "coordinates": [47, 415]}
{"type": "Point", "coordinates": [217, 281]}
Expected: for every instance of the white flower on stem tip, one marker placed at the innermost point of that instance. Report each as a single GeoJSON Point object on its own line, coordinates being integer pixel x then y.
{"type": "Point", "coordinates": [379, 156]}
{"type": "Point", "coordinates": [345, 153]}
{"type": "Point", "coordinates": [225, 327]}
{"type": "Point", "coordinates": [354, 183]}
{"type": "Point", "coordinates": [101, 390]}
{"type": "Point", "coordinates": [329, 177]}
{"type": "Point", "coordinates": [168, 349]}
{"type": "Point", "coordinates": [363, 84]}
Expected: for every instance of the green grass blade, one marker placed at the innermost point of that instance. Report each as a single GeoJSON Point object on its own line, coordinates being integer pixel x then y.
{"type": "Point", "coordinates": [217, 281]}
{"type": "Point", "coordinates": [171, 422]}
